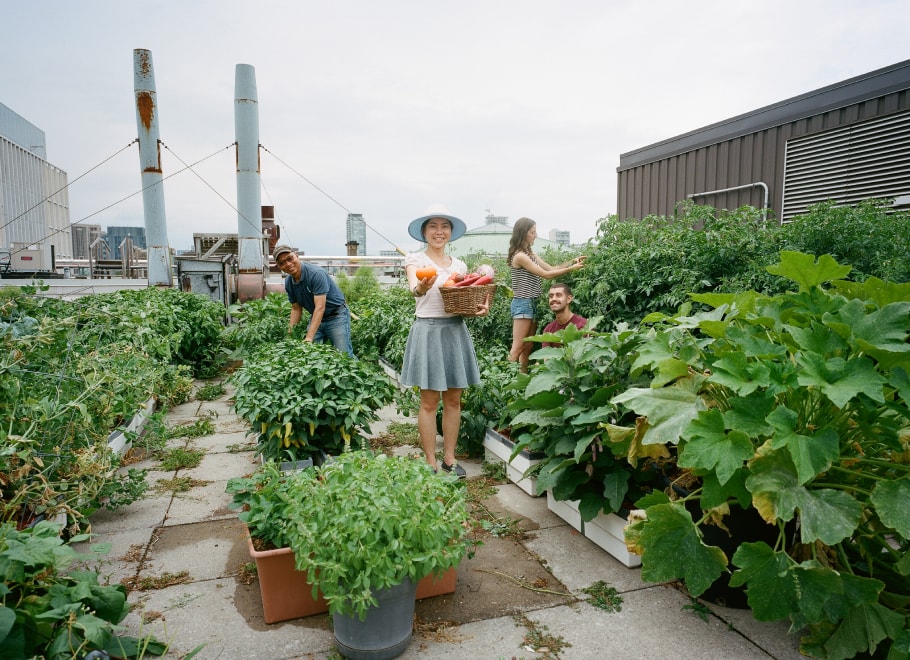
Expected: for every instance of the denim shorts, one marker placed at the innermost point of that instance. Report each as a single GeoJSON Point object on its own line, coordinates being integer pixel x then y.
{"type": "Point", "coordinates": [523, 308]}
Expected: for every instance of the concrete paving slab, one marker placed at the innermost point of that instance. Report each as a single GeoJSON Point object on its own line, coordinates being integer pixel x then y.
{"type": "Point", "coordinates": [770, 636]}
{"type": "Point", "coordinates": [115, 555]}
{"type": "Point", "coordinates": [513, 498]}
{"type": "Point", "coordinates": [220, 410]}
{"type": "Point", "coordinates": [183, 411]}
{"type": "Point", "coordinates": [578, 563]}
{"type": "Point", "coordinates": [651, 624]}
{"type": "Point", "coordinates": [207, 550]}
{"type": "Point", "coordinates": [227, 442]}
{"type": "Point", "coordinates": [207, 613]}
{"type": "Point", "coordinates": [500, 637]}
{"type": "Point", "coordinates": [204, 502]}
{"type": "Point", "coordinates": [145, 514]}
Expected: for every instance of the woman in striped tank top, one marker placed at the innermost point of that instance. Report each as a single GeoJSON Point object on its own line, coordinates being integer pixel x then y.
{"type": "Point", "coordinates": [528, 272]}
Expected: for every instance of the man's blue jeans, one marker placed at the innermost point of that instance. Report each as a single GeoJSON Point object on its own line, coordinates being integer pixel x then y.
{"type": "Point", "coordinates": [336, 331]}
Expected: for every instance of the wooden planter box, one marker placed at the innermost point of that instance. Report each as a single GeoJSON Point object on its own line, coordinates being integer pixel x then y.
{"type": "Point", "coordinates": [498, 448]}
{"type": "Point", "coordinates": [606, 530]}
{"type": "Point", "coordinates": [286, 594]}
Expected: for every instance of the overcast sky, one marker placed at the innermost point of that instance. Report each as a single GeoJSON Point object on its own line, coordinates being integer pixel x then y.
{"type": "Point", "coordinates": [385, 107]}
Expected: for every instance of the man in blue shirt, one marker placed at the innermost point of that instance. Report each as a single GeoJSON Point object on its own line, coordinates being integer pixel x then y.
{"type": "Point", "coordinates": [309, 287]}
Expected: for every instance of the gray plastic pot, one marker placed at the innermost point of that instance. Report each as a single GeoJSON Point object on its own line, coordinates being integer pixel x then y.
{"type": "Point", "coordinates": [386, 631]}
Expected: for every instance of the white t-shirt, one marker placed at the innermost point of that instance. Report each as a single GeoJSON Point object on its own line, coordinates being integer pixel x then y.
{"type": "Point", "coordinates": [430, 306]}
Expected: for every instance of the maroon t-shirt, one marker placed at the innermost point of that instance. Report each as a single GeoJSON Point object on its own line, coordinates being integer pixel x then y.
{"type": "Point", "coordinates": [555, 326]}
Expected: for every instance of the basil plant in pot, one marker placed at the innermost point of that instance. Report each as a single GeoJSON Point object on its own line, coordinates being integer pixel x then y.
{"type": "Point", "coordinates": [796, 408]}
{"type": "Point", "coordinates": [366, 528]}
{"type": "Point", "coordinates": [304, 398]}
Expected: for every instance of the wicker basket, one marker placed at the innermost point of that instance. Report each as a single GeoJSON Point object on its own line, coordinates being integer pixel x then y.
{"type": "Point", "coordinates": [463, 300]}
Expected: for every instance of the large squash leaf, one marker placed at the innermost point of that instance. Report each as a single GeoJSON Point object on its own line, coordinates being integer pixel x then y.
{"type": "Point", "coordinates": [669, 411]}
{"type": "Point", "coordinates": [826, 515]}
{"type": "Point", "coordinates": [673, 549]}
{"type": "Point", "coordinates": [710, 447]}
{"type": "Point", "coordinates": [891, 500]}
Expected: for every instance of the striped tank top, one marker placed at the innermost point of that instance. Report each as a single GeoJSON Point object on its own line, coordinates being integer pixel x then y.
{"type": "Point", "coordinates": [524, 283]}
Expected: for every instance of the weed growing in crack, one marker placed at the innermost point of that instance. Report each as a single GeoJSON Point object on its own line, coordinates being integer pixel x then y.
{"type": "Point", "coordinates": [211, 391]}
{"type": "Point", "coordinates": [197, 429]}
{"type": "Point", "coordinates": [181, 458]}
{"type": "Point", "coordinates": [604, 597]}
{"type": "Point", "coordinates": [540, 640]}
{"type": "Point", "coordinates": [698, 608]}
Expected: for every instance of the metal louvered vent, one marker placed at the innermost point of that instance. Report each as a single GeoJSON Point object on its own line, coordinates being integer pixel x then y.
{"type": "Point", "coordinates": [848, 165]}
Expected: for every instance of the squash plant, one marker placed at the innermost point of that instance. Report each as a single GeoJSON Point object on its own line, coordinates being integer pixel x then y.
{"type": "Point", "coordinates": [797, 406]}
{"type": "Point", "coordinates": [302, 397]}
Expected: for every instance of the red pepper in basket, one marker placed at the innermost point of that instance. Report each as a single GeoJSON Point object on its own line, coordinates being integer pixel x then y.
{"type": "Point", "coordinates": [486, 279]}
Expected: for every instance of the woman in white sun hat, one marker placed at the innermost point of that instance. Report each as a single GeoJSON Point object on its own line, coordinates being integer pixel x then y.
{"type": "Point", "coordinates": [439, 358]}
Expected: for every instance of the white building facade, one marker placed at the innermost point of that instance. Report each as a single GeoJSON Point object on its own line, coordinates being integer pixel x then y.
{"type": "Point", "coordinates": [34, 202]}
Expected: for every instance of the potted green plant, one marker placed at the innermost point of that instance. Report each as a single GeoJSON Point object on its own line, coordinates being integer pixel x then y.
{"type": "Point", "coordinates": [366, 529]}
{"type": "Point", "coordinates": [261, 500]}
{"type": "Point", "coordinates": [302, 398]}
{"type": "Point", "coordinates": [795, 407]}
{"type": "Point", "coordinates": [264, 503]}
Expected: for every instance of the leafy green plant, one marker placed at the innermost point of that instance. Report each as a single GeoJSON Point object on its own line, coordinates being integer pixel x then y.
{"type": "Point", "coordinates": [560, 409]}
{"type": "Point", "coordinates": [383, 322]}
{"type": "Point", "coordinates": [363, 522]}
{"type": "Point", "coordinates": [256, 323]}
{"type": "Point", "coordinates": [52, 611]}
{"type": "Point", "coordinates": [262, 501]}
{"type": "Point", "coordinates": [211, 391]}
{"type": "Point", "coordinates": [70, 374]}
{"type": "Point", "coordinates": [485, 404]}
{"type": "Point", "coordinates": [361, 285]}
{"type": "Point", "coordinates": [796, 406]}
{"type": "Point", "coordinates": [303, 397]}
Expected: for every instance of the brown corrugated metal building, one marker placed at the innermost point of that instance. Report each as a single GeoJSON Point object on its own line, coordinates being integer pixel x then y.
{"type": "Point", "coordinates": [847, 142]}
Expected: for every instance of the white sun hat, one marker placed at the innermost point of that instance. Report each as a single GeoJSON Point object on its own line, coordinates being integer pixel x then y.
{"type": "Point", "coordinates": [415, 229]}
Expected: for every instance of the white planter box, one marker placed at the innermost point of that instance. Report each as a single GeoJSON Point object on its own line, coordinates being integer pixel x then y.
{"type": "Point", "coordinates": [565, 509]}
{"type": "Point", "coordinates": [120, 441]}
{"type": "Point", "coordinates": [605, 530]}
{"type": "Point", "coordinates": [498, 448]}
{"type": "Point", "coordinates": [392, 373]}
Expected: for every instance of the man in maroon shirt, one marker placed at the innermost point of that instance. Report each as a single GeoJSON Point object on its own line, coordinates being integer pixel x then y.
{"type": "Point", "coordinates": [559, 298]}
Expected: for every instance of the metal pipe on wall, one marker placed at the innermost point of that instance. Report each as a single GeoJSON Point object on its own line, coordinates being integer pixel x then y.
{"type": "Point", "coordinates": [159, 265]}
{"type": "Point", "coordinates": [762, 184]}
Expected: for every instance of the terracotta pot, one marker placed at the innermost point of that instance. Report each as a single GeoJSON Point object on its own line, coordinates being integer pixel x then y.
{"type": "Point", "coordinates": [284, 590]}
{"type": "Point", "coordinates": [286, 594]}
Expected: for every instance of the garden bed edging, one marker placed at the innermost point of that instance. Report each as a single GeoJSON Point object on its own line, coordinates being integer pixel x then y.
{"type": "Point", "coordinates": [499, 446]}
{"type": "Point", "coordinates": [605, 530]}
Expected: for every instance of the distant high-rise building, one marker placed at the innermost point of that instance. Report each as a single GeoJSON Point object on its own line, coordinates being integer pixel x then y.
{"type": "Point", "coordinates": [115, 236]}
{"type": "Point", "coordinates": [560, 237]}
{"type": "Point", "coordinates": [357, 233]}
{"type": "Point", "coordinates": [83, 238]}
{"type": "Point", "coordinates": [34, 203]}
